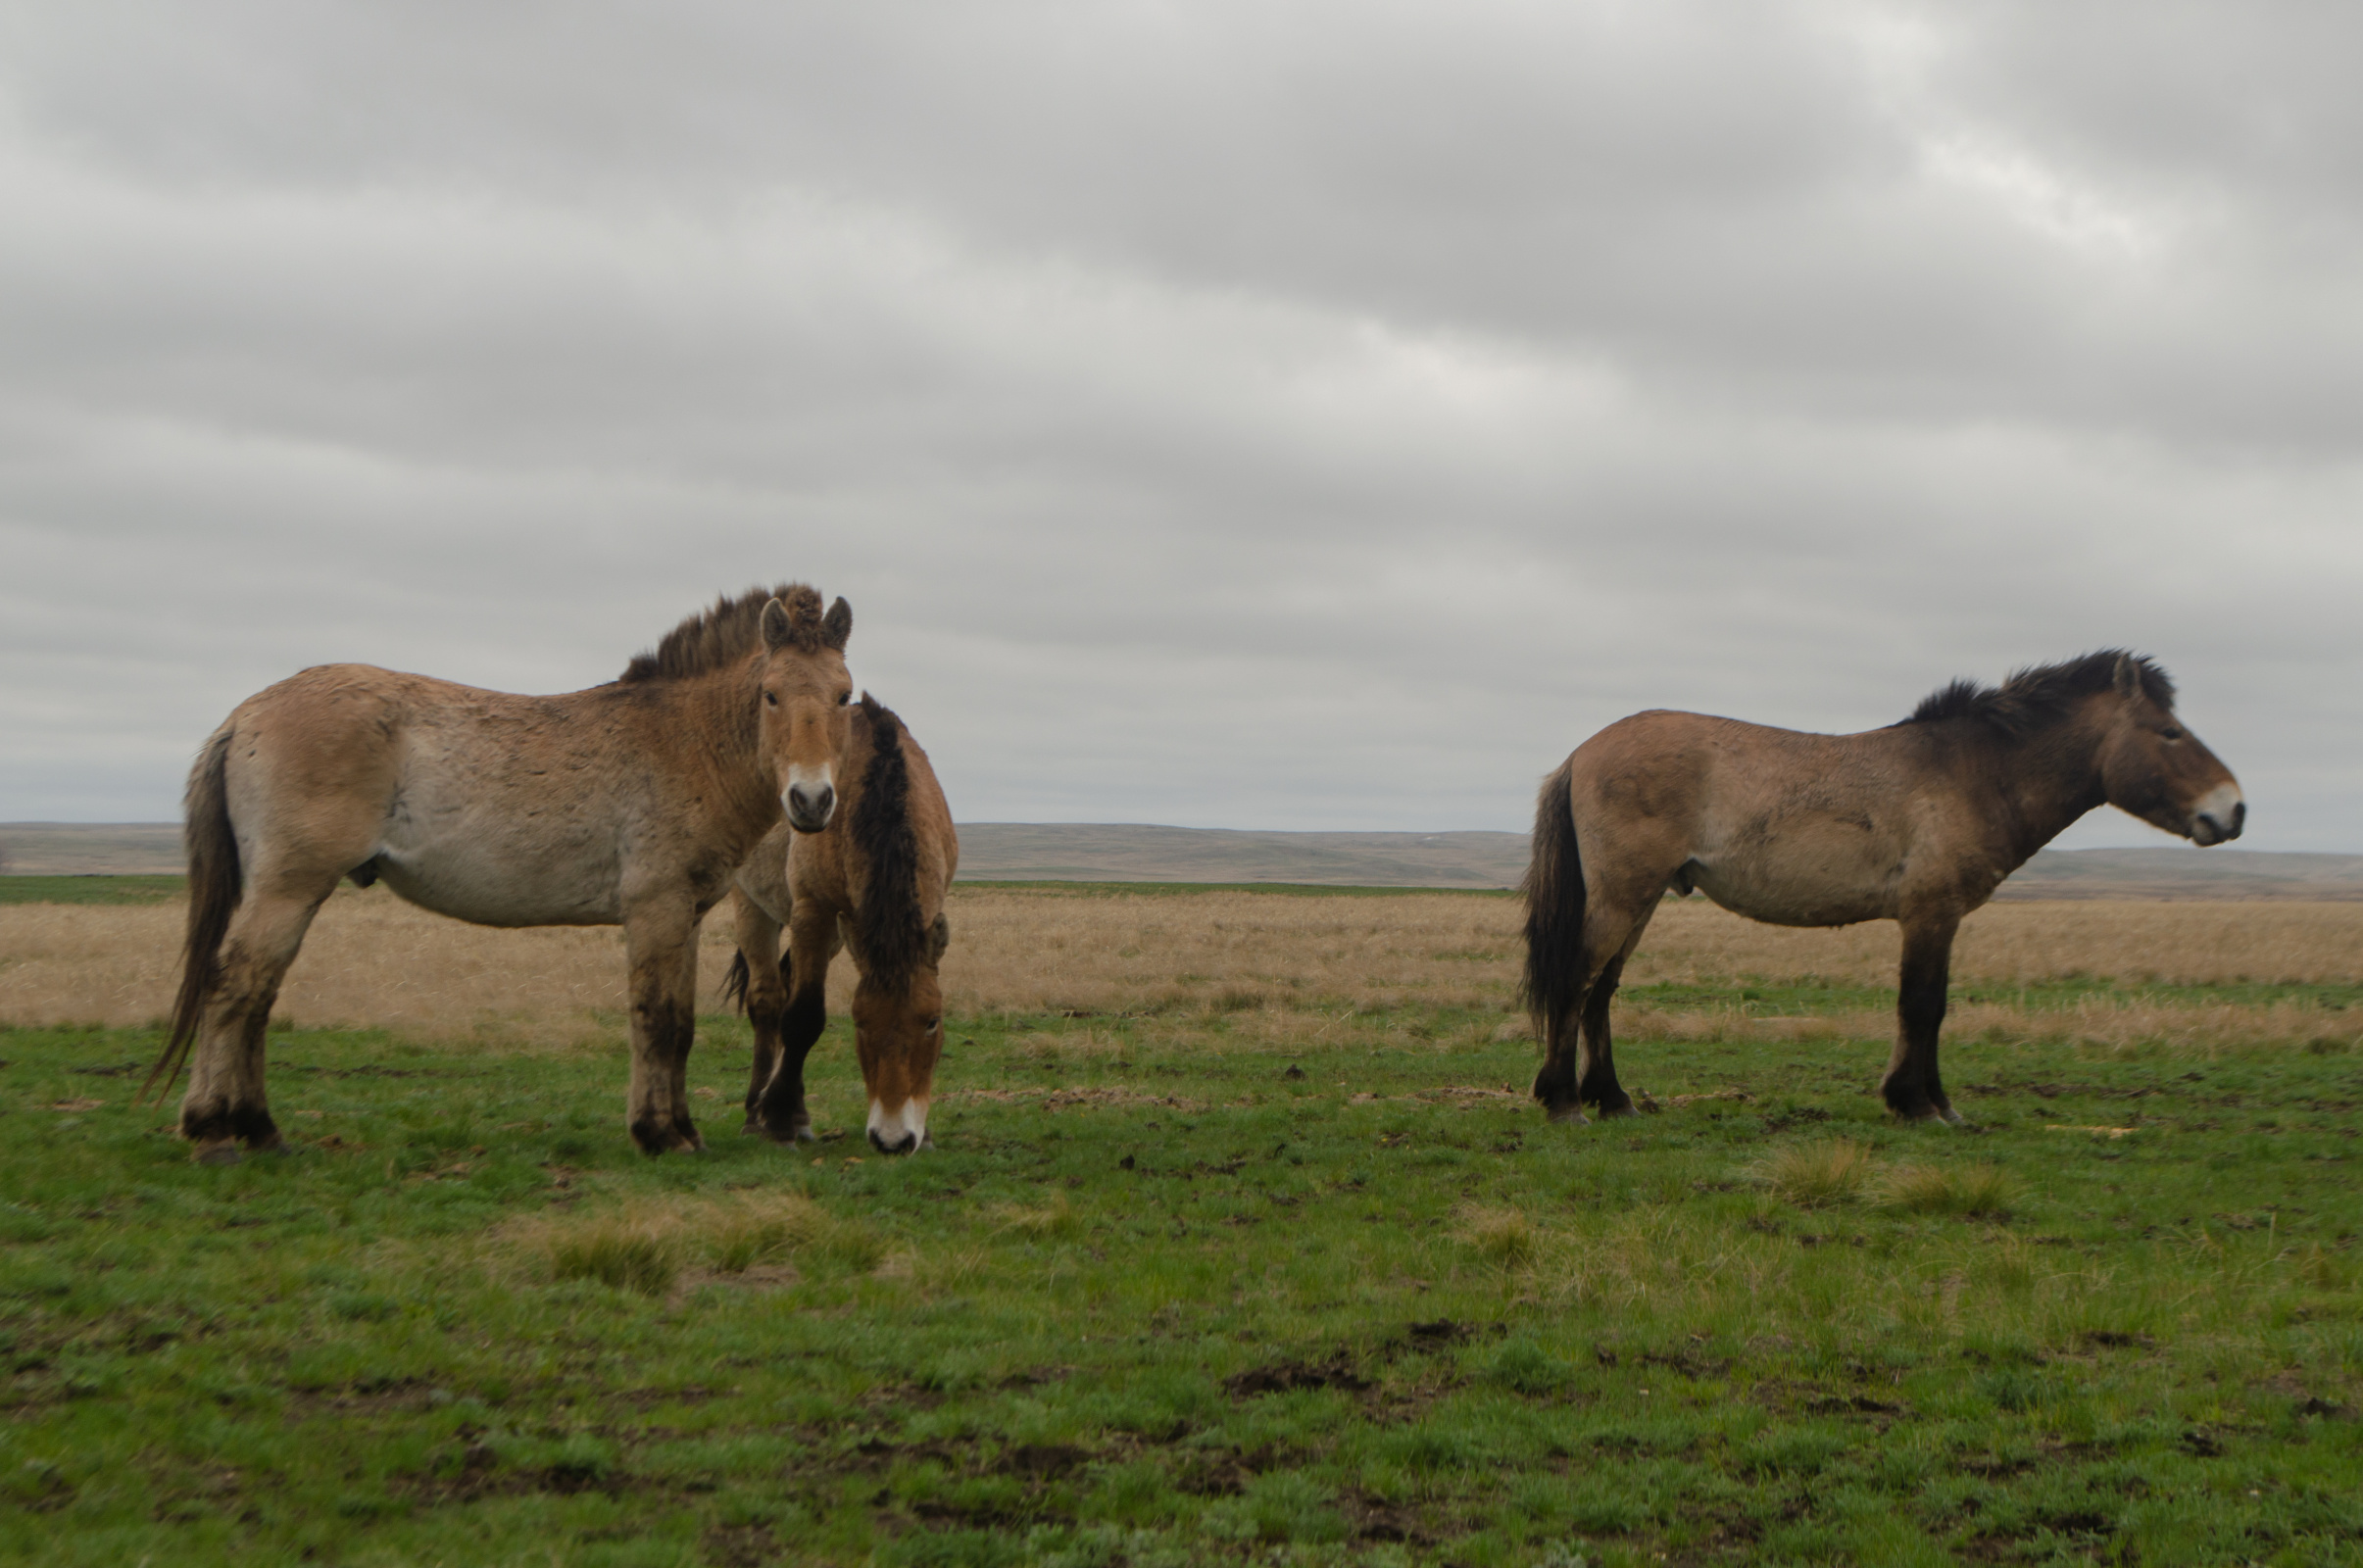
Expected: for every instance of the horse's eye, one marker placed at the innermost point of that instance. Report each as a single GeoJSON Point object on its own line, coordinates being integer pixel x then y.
{"type": "Point", "coordinates": [845, 699]}
{"type": "Point", "coordinates": [771, 700]}
{"type": "Point", "coordinates": [2170, 733]}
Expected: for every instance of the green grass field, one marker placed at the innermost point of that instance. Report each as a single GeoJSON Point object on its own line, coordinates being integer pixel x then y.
{"type": "Point", "coordinates": [1161, 1296]}
{"type": "Point", "coordinates": [91, 888]}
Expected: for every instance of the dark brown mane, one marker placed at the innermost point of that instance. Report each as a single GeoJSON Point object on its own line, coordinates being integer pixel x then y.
{"type": "Point", "coordinates": [2035, 697]}
{"type": "Point", "coordinates": [717, 638]}
{"type": "Point", "coordinates": [889, 927]}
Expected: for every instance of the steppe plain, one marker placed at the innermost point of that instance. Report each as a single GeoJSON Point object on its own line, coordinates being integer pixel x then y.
{"type": "Point", "coordinates": [1241, 1242]}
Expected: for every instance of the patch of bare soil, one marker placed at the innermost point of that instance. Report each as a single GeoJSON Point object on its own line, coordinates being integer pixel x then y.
{"type": "Point", "coordinates": [1284, 1377]}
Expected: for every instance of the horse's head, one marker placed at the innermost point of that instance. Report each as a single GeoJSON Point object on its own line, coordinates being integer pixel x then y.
{"type": "Point", "coordinates": [2153, 767]}
{"type": "Point", "coordinates": [899, 1035]}
{"type": "Point", "coordinates": [895, 854]}
{"type": "Point", "coordinates": [807, 725]}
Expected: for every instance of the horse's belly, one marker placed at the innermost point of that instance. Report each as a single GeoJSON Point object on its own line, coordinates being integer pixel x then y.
{"type": "Point", "coordinates": [502, 884]}
{"type": "Point", "coordinates": [1806, 898]}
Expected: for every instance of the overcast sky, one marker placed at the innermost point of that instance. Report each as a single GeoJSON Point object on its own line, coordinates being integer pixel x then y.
{"type": "Point", "coordinates": [1230, 414]}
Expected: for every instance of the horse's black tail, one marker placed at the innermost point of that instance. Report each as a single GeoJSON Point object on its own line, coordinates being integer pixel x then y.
{"type": "Point", "coordinates": [1556, 965]}
{"type": "Point", "coordinates": [734, 984]}
{"type": "Point", "coordinates": [216, 885]}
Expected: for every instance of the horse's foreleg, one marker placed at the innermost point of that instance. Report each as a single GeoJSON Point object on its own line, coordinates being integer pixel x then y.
{"type": "Point", "coordinates": [1912, 1087]}
{"type": "Point", "coordinates": [660, 939]}
{"type": "Point", "coordinates": [226, 1103]}
{"type": "Point", "coordinates": [781, 1112]}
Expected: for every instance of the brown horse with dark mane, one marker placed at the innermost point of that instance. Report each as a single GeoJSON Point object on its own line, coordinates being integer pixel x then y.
{"type": "Point", "coordinates": [875, 883]}
{"type": "Point", "coordinates": [628, 804]}
{"type": "Point", "coordinates": [1916, 823]}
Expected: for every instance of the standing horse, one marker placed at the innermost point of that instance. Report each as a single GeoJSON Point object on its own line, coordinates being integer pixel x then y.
{"type": "Point", "coordinates": [628, 804]}
{"type": "Point", "coordinates": [1916, 823]}
{"type": "Point", "coordinates": [875, 882]}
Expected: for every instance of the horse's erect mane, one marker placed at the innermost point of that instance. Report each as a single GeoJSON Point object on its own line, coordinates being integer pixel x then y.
{"type": "Point", "coordinates": [888, 926]}
{"type": "Point", "coordinates": [717, 638]}
{"type": "Point", "coordinates": [2033, 696]}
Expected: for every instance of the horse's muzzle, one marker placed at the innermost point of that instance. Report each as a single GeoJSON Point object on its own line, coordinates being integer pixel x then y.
{"type": "Point", "coordinates": [810, 806]}
{"type": "Point", "coordinates": [2219, 821]}
{"type": "Point", "coordinates": [901, 1131]}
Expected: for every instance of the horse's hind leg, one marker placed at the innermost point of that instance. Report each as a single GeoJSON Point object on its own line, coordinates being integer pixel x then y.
{"type": "Point", "coordinates": [1577, 1067]}
{"type": "Point", "coordinates": [1912, 1087]}
{"type": "Point", "coordinates": [226, 1103]}
{"type": "Point", "coordinates": [1596, 1080]}
{"type": "Point", "coordinates": [766, 996]}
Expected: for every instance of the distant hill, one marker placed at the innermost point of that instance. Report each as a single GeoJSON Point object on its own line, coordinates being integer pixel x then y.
{"type": "Point", "coordinates": [2175, 872]}
{"type": "Point", "coordinates": [1097, 852]}
{"type": "Point", "coordinates": [1101, 852]}
{"type": "Point", "coordinates": [90, 849]}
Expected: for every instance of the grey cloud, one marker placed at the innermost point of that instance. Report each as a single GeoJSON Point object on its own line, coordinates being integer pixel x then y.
{"type": "Point", "coordinates": [1251, 416]}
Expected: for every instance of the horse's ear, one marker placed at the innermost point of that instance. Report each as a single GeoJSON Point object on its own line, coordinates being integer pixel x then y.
{"type": "Point", "coordinates": [2129, 677]}
{"type": "Point", "coordinates": [837, 626]}
{"type": "Point", "coordinates": [778, 630]}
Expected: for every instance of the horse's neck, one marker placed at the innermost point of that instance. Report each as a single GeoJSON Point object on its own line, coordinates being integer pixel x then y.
{"type": "Point", "coordinates": [2052, 778]}
{"type": "Point", "coordinates": [720, 707]}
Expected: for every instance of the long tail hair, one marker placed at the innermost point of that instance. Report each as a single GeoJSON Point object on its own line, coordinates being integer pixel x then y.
{"type": "Point", "coordinates": [735, 983]}
{"type": "Point", "coordinates": [216, 885]}
{"type": "Point", "coordinates": [1556, 965]}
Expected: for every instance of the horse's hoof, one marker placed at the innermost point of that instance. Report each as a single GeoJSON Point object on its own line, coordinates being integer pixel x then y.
{"type": "Point", "coordinates": [276, 1145]}
{"type": "Point", "coordinates": [217, 1152]}
{"type": "Point", "coordinates": [1922, 1112]}
{"type": "Point", "coordinates": [1614, 1112]}
{"type": "Point", "coordinates": [1571, 1116]}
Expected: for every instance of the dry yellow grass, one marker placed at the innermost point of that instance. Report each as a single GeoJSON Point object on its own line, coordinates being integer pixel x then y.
{"type": "Point", "coordinates": [1266, 960]}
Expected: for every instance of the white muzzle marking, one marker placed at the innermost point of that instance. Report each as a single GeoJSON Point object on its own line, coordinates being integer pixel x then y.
{"type": "Point", "coordinates": [809, 796]}
{"type": "Point", "coordinates": [900, 1131]}
{"type": "Point", "coordinates": [2220, 813]}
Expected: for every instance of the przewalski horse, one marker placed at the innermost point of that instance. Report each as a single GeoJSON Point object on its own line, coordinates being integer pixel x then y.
{"type": "Point", "coordinates": [628, 804]}
{"type": "Point", "coordinates": [875, 882]}
{"type": "Point", "coordinates": [1916, 823]}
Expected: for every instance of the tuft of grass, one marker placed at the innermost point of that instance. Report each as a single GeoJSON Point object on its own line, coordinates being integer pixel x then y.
{"type": "Point", "coordinates": [646, 1245]}
{"type": "Point", "coordinates": [1817, 1175]}
{"type": "Point", "coordinates": [1976, 1189]}
{"type": "Point", "coordinates": [1504, 1236]}
{"type": "Point", "coordinates": [1042, 1221]}
{"type": "Point", "coordinates": [734, 1237]}
{"type": "Point", "coordinates": [621, 1250]}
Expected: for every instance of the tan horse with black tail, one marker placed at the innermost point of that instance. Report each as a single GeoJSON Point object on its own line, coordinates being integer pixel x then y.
{"type": "Point", "coordinates": [628, 804]}
{"type": "Point", "coordinates": [1916, 823]}
{"type": "Point", "coordinates": [875, 881]}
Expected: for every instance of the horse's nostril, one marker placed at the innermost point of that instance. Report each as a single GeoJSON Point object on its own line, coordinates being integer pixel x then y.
{"type": "Point", "coordinates": [2239, 819]}
{"type": "Point", "coordinates": [902, 1145]}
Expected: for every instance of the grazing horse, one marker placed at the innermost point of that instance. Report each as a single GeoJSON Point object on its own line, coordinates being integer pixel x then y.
{"type": "Point", "coordinates": [628, 804]}
{"type": "Point", "coordinates": [1916, 823]}
{"type": "Point", "coordinates": [875, 882]}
